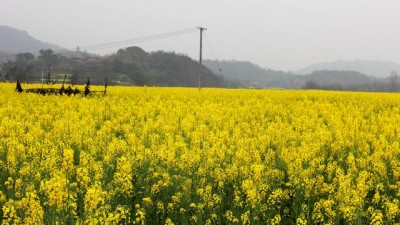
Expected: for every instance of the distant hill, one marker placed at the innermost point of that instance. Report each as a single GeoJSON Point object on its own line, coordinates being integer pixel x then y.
{"type": "Point", "coordinates": [134, 66]}
{"type": "Point", "coordinates": [374, 68]}
{"type": "Point", "coordinates": [249, 74]}
{"type": "Point", "coordinates": [14, 41]}
{"type": "Point", "coordinates": [129, 66]}
{"type": "Point", "coordinates": [17, 41]}
{"type": "Point", "coordinates": [338, 79]}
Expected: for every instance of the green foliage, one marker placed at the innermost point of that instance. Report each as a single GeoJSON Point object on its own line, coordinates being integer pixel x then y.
{"type": "Point", "coordinates": [135, 66]}
{"type": "Point", "coordinates": [251, 75]}
{"type": "Point", "coordinates": [246, 74]}
{"type": "Point", "coordinates": [129, 66]}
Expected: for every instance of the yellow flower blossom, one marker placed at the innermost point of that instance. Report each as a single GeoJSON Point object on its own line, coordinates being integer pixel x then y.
{"type": "Point", "coordinates": [144, 155]}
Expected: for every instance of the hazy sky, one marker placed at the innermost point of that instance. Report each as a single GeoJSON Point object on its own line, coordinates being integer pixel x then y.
{"type": "Point", "coordinates": [278, 34]}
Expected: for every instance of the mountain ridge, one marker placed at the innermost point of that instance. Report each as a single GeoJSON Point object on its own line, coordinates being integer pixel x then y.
{"type": "Point", "coordinates": [252, 75]}
{"type": "Point", "coordinates": [19, 41]}
{"type": "Point", "coordinates": [375, 68]}
{"type": "Point", "coordinates": [170, 69]}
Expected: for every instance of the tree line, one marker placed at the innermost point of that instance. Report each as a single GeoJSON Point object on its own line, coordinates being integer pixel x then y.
{"type": "Point", "coordinates": [388, 84]}
{"type": "Point", "coordinates": [129, 66]}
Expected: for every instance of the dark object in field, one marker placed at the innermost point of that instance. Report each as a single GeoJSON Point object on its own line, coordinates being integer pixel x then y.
{"type": "Point", "coordinates": [19, 88]}
{"type": "Point", "coordinates": [87, 90]}
{"type": "Point", "coordinates": [66, 91]}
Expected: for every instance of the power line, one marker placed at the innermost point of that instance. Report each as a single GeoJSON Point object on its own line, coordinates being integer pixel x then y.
{"type": "Point", "coordinates": [139, 39]}
{"type": "Point", "coordinates": [121, 43]}
{"type": "Point", "coordinates": [213, 53]}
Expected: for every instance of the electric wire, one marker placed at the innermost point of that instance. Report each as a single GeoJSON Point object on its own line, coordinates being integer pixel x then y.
{"type": "Point", "coordinates": [139, 39]}
{"type": "Point", "coordinates": [119, 43]}
{"type": "Point", "coordinates": [213, 53]}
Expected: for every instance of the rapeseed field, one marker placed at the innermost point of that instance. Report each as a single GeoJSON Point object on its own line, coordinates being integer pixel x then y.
{"type": "Point", "coordinates": [143, 155]}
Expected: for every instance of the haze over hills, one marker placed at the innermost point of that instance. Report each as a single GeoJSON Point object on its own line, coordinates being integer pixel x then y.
{"type": "Point", "coordinates": [134, 66]}
{"type": "Point", "coordinates": [14, 41]}
{"type": "Point", "coordinates": [129, 66]}
{"type": "Point", "coordinates": [251, 75]}
{"type": "Point", "coordinates": [373, 68]}
{"type": "Point", "coordinates": [17, 41]}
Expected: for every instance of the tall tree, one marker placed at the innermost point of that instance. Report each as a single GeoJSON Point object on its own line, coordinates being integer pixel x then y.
{"type": "Point", "coordinates": [21, 68]}
{"type": "Point", "coordinates": [25, 64]}
{"type": "Point", "coordinates": [394, 81]}
{"type": "Point", "coordinates": [49, 59]}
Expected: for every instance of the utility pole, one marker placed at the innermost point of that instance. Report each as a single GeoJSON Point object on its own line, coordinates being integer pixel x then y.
{"type": "Point", "coordinates": [201, 53]}
{"type": "Point", "coordinates": [42, 76]}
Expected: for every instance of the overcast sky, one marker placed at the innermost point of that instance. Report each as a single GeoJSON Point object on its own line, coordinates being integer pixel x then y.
{"type": "Point", "coordinates": [278, 34]}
